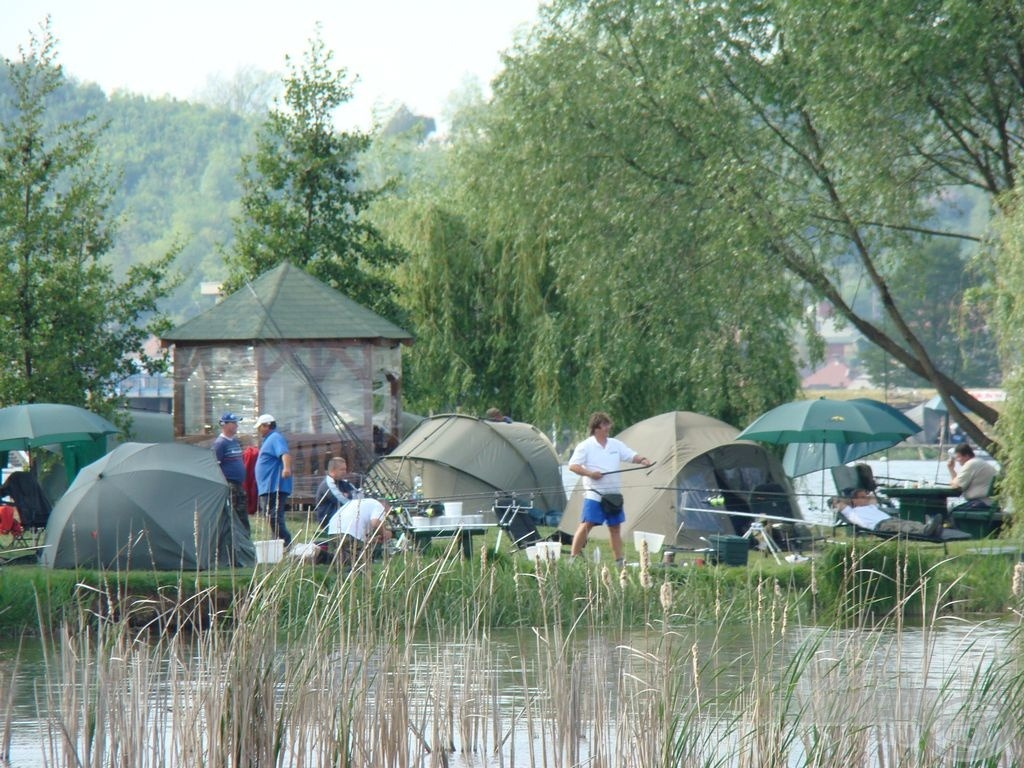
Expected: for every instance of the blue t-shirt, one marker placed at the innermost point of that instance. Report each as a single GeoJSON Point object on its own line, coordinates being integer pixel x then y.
{"type": "Point", "coordinates": [268, 465]}
{"type": "Point", "coordinates": [229, 455]}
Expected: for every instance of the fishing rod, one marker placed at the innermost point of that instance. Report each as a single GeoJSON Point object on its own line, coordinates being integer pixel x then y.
{"type": "Point", "coordinates": [631, 469]}
{"type": "Point", "coordinates": [390, 485]}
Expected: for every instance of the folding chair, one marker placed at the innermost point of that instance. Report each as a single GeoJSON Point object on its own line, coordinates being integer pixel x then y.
{"type": "Point", "coordinates": [33, 506]}
{"type": "Point", "coordinates": [11, 526]}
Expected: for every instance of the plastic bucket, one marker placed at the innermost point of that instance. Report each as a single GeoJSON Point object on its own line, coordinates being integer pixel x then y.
{"type": "Point", "coordinates": [654, 541]}
{"type": "Point", "coordinates": [269, 550]}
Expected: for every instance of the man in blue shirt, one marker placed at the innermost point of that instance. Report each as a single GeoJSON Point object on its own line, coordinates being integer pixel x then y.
{"type": "Point", "coordinates": [273, 475]}
{"type": "Point", "coordinates": [228, 451]}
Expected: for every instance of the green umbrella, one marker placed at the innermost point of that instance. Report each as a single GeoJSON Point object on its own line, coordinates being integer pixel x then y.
{"type": "Point", "coordinates": [802, 458]}
{"type": "Point", "coordinates": [828, 421]}
{"type": "Point", "coordinates": [32, 425]}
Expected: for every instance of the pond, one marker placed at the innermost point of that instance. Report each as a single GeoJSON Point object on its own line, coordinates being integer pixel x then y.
{"type": "Point", "coordinates": [699, 695]}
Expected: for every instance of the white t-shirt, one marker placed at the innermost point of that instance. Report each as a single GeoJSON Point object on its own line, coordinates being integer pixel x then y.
{"type": "Point", "coordinates": [590, 455]}
{"type": "Point", "coordinates": [354, 518]}
{"type": "Point", "coordinates": [867, 516]}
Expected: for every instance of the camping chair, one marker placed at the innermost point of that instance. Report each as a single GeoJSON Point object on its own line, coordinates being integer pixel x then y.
{"type": "Point", "coordinates": [33, 506]}
{"type": "Point", "coordinates": [944, 536]}
{"type": "Point", "coordinates": [11, 526]}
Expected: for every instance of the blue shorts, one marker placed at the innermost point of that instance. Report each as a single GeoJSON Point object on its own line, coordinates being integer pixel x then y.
{"type": "Point", "coordinates": [592, 513]}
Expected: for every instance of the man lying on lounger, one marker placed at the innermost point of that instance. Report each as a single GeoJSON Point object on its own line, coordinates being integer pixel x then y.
{"type": "Point", "coordinates": [861, 510]}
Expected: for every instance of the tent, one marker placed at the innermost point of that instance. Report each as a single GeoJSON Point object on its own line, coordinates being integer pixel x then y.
{"type": "Point", "coordinates": [698, 459]}
{"type": "Point", "coordinates": [151, 506]}
{"type": "Point", "coordinates": [463, 458]}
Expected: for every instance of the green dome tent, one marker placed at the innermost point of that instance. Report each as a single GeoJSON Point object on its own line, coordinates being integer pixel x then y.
{"type": "Point", "coordinates": [463, 458]}
{"type": "Point", "coordinates": [152, 506]}
{"type": "Point", "coordinates": [697, 458]}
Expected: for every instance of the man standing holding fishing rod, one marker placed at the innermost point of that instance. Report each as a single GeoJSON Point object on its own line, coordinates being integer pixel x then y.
{"type": "Point", "coordinates": [597, 461]}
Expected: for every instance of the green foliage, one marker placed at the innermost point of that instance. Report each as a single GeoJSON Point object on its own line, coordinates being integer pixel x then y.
{"type": "Point", "coordinates": [934, 284]}
{"type": "Point", "coordinates": [868, 579]}
{"type": "Point", "coordinates": [660, 171]}
{"type": "Point", "coordinates": [1008, 293]}
{"type": "Point", "coordinates": [302, 198]}
{"type": "Point", "coordinates": [550, 275]}
{"type": "Point", "coordinates": [69, 327]}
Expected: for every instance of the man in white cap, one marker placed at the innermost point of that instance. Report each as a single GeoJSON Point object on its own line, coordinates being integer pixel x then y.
{"type": "Point", "coordinates": [273, 475]}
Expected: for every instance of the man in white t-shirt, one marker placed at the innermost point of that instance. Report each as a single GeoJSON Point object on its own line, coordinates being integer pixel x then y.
{"type": "Point", "coordinates": [595, 460]}
{"type": "Point", "coordinates": [864, 513]}
{"type": "Point", "coordinates": [359, 526]}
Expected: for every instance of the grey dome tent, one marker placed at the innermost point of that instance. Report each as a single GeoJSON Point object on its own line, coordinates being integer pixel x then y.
{"type": "Point", "coordinates": [152, 506]}
{"type": "Point", "coordinates": [697, 458]}
{"type": "Point", "coordinates": [463, 458]}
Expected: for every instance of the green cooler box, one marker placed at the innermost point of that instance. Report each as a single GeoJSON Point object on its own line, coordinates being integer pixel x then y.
{"type": "Point", "coordinates": [728, 550]}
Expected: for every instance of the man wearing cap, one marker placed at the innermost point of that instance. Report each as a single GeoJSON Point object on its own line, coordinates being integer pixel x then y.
{"type": "Point", "coordinates": [273, 475]}
{"type": "Point", "coordinates": [228, 451]}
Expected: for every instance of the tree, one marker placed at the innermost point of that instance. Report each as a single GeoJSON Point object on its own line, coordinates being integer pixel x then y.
{"type": "Point", "coordinates": [934, 283]}
{"type": "Point", "coordinates": [791, 134]}
{"type": "Point", "coordinates": [547, 278]}
{"type": "Point", "coordinates": [302, 197]}
{"type": "Point", "coordinates": [69, 331]}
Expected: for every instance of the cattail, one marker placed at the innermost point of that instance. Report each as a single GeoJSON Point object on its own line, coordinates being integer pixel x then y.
{"type": "Point", "coordinates": [483, 560]}
{"type": "Point", "coordinates": [623, 581]}
{"type": "Point", "coordinates": [1018, 579]}
{"type": "Point", "coordinates": [645, 566]}
{"type": "Point", "coordinates": [606, 577]}
{"type": "Point", "coordinates": [814, 579]}
{"type": "Point", "coordinates": [666, 596]}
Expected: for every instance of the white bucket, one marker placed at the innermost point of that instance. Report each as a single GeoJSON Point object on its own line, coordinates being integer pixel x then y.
{"type": "Point", "coordinates": [269, 550]}
{"type": "Point", "coordinates": [453, 507]}
{"type": "Point", "coordinates": [531, 553]}
{"type": "Point", "coordinates": [548, 550]}
{"type": "Point", "coordinates": [654, 541]}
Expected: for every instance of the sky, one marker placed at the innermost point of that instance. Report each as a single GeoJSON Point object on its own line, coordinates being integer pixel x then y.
{"type": "Point", "coordinates": [415, 52]}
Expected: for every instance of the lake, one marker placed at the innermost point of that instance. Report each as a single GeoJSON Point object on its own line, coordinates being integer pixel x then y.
{"type": "Point", "coordinates": [535, 698]}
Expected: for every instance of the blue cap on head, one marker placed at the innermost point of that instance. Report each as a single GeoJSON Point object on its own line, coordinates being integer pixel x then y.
{"type": "Point", "coordinates": [229, 418]}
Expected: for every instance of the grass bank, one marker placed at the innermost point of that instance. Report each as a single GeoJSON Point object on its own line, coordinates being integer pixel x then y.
{"type": "Point", "coordinates": [496, 588]}
{"type": "Point", "coordinates": [311, 666]}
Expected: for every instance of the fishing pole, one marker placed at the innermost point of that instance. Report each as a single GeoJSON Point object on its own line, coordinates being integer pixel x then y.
{"type": "Point", "coordinates": [631, 469]}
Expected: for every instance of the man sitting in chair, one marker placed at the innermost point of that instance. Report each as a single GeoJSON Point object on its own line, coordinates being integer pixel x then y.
{"type": "Point", "coordinates": [973, 476]}
{"type": "Point", "coordinates": [861, 510]}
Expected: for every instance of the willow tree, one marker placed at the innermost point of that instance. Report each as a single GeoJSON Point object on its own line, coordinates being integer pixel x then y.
{"type": "Point", "coordinates": [70, 330]}
{"type": "Point", "coordinates": [550, 277]}
{"type": "Point", "coordinates": [777, 143]}
{"type": "Point", "coordinates": [1008, 271]}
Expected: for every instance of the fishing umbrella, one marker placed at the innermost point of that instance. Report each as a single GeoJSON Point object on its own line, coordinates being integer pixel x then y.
{"type": "Point", "coordinates": [802, 458]}
{"type": "Point", "coordinates": [81, 434]}
{"type": "Point", "coordinates": [828, 421]}
{"type": "Point", "coordinates": [159, 506]}
{"type": "Point", "coordinates": [32, 425]}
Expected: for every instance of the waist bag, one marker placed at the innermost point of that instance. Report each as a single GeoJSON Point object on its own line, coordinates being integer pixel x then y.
{"type": "Point", "coordinates": [611, 503]}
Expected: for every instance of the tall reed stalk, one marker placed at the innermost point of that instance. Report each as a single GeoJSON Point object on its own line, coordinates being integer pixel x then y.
{"type": "Point", "coordinates": [317, 667]}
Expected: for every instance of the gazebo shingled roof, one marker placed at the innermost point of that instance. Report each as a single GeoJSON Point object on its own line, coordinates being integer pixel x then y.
{"type": "Point", "coordinates": [286, 303]}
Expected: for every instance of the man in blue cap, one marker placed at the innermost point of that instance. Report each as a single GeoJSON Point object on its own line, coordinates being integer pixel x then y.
{"type": "Point", "coordinates": [228, 451]}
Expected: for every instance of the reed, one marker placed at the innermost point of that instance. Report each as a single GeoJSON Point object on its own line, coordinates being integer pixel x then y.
{"type": "Point", "coordinates": [394, 665]}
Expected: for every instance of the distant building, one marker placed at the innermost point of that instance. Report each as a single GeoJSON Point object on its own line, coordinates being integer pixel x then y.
{"type": "Point", "coordinates": [289, 345]}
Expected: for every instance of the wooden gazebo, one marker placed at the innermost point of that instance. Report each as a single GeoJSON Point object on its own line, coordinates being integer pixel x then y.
{"type": "Point", "coordinates": [327, 368]}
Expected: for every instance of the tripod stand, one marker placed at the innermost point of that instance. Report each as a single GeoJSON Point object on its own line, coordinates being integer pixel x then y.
{"type": "Point", "coordinates": [505, 509]}
{"type": "Point", "coordinates": [759, 532]}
